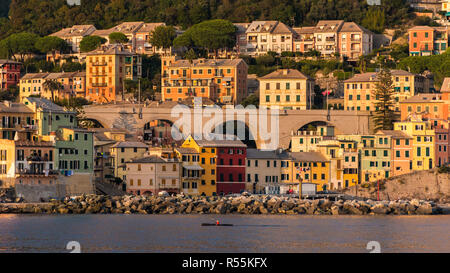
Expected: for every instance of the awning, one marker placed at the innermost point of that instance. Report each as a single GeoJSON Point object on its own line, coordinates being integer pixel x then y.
{"type": "Point", "coordinates": [193, 167]}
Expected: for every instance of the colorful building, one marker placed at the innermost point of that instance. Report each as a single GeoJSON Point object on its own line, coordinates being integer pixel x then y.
{"type": "Point", "coordinates": [305, 167]}
{"type": "Point", "coordinates": [423, 142]}
{"type": "Point", "coordinates": [14, 117]}
{"type": "Point", "coordinates": [9, 73]}
{"type": "Point", "coordinates": [221, 80]}
{"type": "Point", "coordinates": [359, 90]}
{"type": "Point", "coordinates": [107, 68]}
{"type": "Point", "coordinates": [354, 41]}
{"type": "Point", "coordinates": [263, 171]}
{"type": "Point", "coordinates": [265, 36]}
{"type": "Point", "coordinates": [143, 36]}
{"type": "Point", "coordinates": [73, 35]}
{"type": "Point", "coordinates": [191, 171]}
{"type": "Point", "coordinates": [285, 89]}
{"type": "Point", "coordinates": [401, 151]}
{"type": "Point", "coordinates": [31, 84]}
{"type": "Point", "coordinates": [426, 106]}
{"type": "Point", "coordinates": [426, 41]}
{"type": "Point", "coordinates": [153, 174]}
{"type": "Point", "coordinates": [123, 152]}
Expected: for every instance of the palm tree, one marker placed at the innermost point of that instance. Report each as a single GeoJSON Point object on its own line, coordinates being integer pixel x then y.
{"type": "Point", "coordinates": [53, 86]}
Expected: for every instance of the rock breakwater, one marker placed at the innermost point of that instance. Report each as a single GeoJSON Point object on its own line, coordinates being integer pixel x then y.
{"type": "Point", "coordinates": [245, 204]}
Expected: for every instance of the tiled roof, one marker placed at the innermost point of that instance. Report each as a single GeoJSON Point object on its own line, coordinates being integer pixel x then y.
{"type": "Point", "coordinates": [149, 27]}
{"type": "Point", "coordinates": [261, 154]}
{"type": "Point", "coordinates": [220, 143]}
{"type": "Point", "coordinates": [285, 74]}
{"type": "Point", "coordinates": [182, 150]}
{"type": "Point", "coordinates": [125, 28]}
{"type": "Point", "coordinates": [152, 159]}
{"type": "Point", "coordinates": [435, 97]}
{"type": "Point", "coordinates": [308, 157]}
{"type": "Point", "coordinates": [446, 85]}
{"type": "Point", "coordinates": [14, 107]}
{"type": "Point", "coordinates": [46, 105]}
{"type": "Point", "coordinates": [130, 144]}
{"type": "Point", "coordinates": [74, 31]}
{"type": "Point", "coordinates": [329, 26]}
{"type": "Point", "coordinates": [30, 76]}
{"type": "Point", "coordinates": [261, 26]}
{"type": "Point", "coordinates": [207, 62]}
{"type": "Point", "coordinates": [4, 61]}
{"type": "Point", "coordinates": [352, 26]}
{"type": "Point", "coordinates": [114, 49]}
{"type": "Point", "coordinates": [394, 133]}
{"type": "Point", "coordinates": [372, 76]}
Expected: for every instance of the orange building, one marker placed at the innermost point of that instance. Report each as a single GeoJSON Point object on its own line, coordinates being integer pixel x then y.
{"type": "Point", "coordinates": [221, 80]}
{"type": "Point", "coordinates": [426, 41]}
{"type": "Point", "coordinates": [107, 68]}
{"type": "Point", "coordinates": [401, 151]}
{"type": "Point", "coordinates": [427, 106]}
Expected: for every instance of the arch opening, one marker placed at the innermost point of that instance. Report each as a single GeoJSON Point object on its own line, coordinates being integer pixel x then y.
{"type": "Point", "coordinates": [246, 137]}
{"type": "Point", "coordinates": [159, 133]}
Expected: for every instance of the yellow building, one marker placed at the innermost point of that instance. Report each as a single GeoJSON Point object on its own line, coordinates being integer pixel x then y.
{"type": "Point", "coordinates": [31, 84]}
{"type": "Point", "coordinates": [359, 90]}
{"type": "Point", "coordinates": [423, 142]}
{"type": "Point", "coordinates": [107, 68]}
{"type": "Point", "coordinates": [285, 89]}
{"type": "Point", "coordinates": [191, 171]}
{"type": "Point", "coordinates": [123, 152]}
{"type": "Point", "coordinates": [306, 141]}
{"type": "Point", "coordinates": [207, 154]}
{"type": "Point", "coordinates": [304, 167]}
{"type": "Point", "coordinates": [14, 117]}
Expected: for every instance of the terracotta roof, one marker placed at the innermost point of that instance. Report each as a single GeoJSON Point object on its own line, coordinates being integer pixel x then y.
{"type": "Point", "coordinates": [125, 28]}
{"type": "Point", "coordinates": [74, 31]}
{"type": "Point", "coordinates": [394, 134]}
{"type": "Point", "coordinates": [220, 143]}
{"type": "Point", "coordinates": [152, 159]}
{"type": "Point", "coordinates": [114, 49]}
{"type": "Point", "coordinates": [431, 97]}
{"type": "Point", "coordinates": [14, 107]}
{"type": "Point", "coordinates": [372, 76]}
{"type": "Point", "coordinates": [46, 105]}
{"type": "Point", "coordinates": [182, 150]}
{"type": "Point", "coordinates": [304, 30]}
{"type": "Point", "coordinates": [130, 144]}
{"type": "Point", "coordinates": [284, 74]}
{"type": "Point", "coordinates": [352, 27]}
{"type": "Point", "coordinates": [149, 27]}
{"type": "Point", "coordinates": [261, 26]}
{"type": "Point", "coordinates": [4, 61]}
{"type": "Point", "coordinates": [207, 62]}
{"type": "Point", "coordinates": [446, 85]}
{"type": "Point", "coordinates": [329, 26]}
{"type": "Point", "coordinates": [30, 76]}
{"type": "Point", "coordinates": [308, 157]}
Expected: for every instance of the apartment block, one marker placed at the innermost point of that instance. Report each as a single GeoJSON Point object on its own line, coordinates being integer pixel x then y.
{"type": "Point", "coordinates": [123, 152]}
{"type": "Point", "coordinates": [143, 35]}
{"type": "Point", "coordinates": [153, 174]}
{"type": "Point", "coordinates": [73, 35]}
{"type": "Point", "coordinates": [107, 68]}
{"type": "Point", "coordinates": [359, 90]}
{"type": "Point", "coordinates": [9, 73]}
{"type": "Point", "coordinates": [129, 29]}
{"type": "Point", "coordinates": [191, 171]}
{"type": "Point", "coordinates": [401, 151]}
{"type": "Point", "coordinates": [286, 89]}
{"type": "Point", "coordinates": [354, 41]}
{"type": "Point", "coordinates": [426, 41]}
{"type": "Point", "coordinates": [265, 36]}
{"type": "Point", "coordinates": [222, 80]}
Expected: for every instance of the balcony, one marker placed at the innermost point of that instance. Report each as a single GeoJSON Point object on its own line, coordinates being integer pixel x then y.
{"type": "Point", "coordinates": [99, 63]}
{"type": "Point", "coordinates": [30, 172]}
{"type": "Point", "coordinates": [103, 84]}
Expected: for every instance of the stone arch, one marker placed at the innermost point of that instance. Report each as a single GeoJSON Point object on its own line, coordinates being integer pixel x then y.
{"type": "Point", "coordinates": [158, 131]}
{"type": "Point", "coordinates": [249, 136]}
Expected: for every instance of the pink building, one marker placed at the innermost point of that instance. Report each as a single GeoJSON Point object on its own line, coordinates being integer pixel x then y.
{"type": "Point", "coordinates": [442, 142]}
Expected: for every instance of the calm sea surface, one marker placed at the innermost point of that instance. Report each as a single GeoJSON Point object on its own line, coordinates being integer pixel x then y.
{"type": "Point", "coordinates": [183, 233]}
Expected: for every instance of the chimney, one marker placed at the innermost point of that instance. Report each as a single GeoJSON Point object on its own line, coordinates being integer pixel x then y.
{"type": "Point", "coordinates": [285, 71]}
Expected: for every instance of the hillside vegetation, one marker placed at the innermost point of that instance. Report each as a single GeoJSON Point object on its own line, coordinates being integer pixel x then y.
{"type": "Point", "coordinates": [46, 16]}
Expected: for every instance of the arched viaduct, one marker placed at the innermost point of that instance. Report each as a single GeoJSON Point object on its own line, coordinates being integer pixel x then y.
{"type": "Point", "coordinates": [127, 116]}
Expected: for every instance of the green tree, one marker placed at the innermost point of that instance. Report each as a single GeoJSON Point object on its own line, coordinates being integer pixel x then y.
{"type": "Point", "coordinates": [212, 35]}
{"type": "Point", "coordinates": [383, 94]}
{"type": "Point", "coordinates": [251, 100]}
{"type": "Point", "coordinates": [51, 44]}
{"type": "Point", "coordinates": [374, 20]}
{"type": "Point", "coordinates": [163, 36]}
{"type": "Point", "coordinates": [90, 43]}
{"type": "Point", "coordinates": [19, 45]}
{"type": "Point", "coordinates": [117, 38]}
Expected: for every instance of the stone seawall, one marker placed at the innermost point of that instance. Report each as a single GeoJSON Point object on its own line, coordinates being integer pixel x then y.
{"type": "Point", "coordinates": [244, 204]}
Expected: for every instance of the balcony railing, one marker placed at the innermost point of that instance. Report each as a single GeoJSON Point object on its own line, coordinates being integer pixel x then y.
{"type": "Point", "coordinates": [99, 63]}
{"type": "Point", "coordinates": [103, 84]}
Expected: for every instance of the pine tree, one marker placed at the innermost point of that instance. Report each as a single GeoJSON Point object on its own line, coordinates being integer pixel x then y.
{"type": "Point", "coordinates": [384, 114]}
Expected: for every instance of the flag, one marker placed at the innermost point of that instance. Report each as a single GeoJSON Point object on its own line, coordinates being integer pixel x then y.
{"type": "Point", "coordinates": [327, 92]}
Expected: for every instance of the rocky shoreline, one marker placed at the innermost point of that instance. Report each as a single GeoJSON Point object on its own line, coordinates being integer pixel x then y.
{"type": "Point", "coordinates": [245, 204]}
